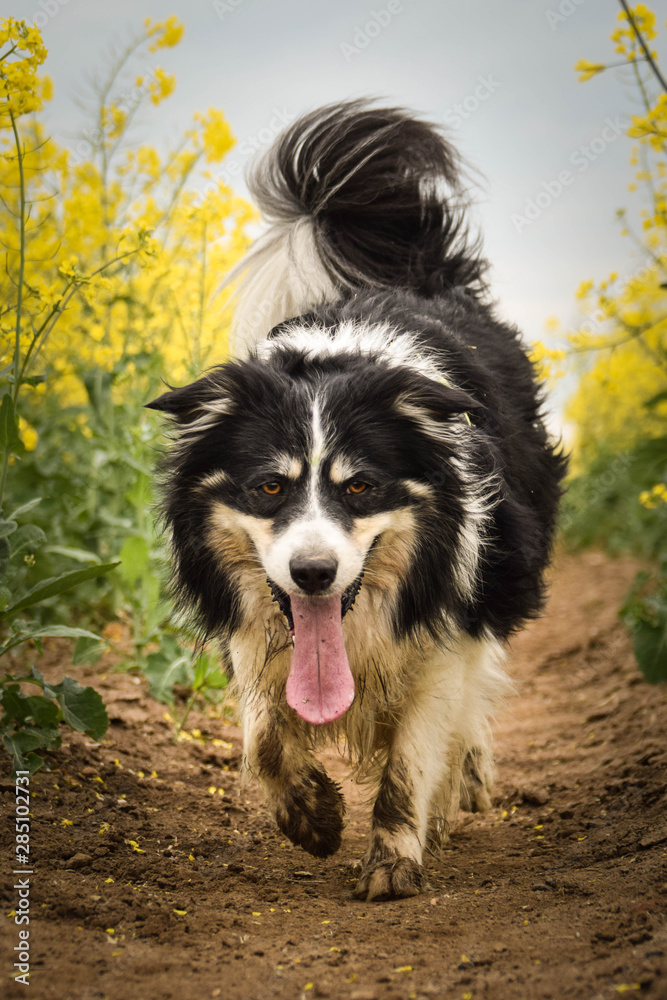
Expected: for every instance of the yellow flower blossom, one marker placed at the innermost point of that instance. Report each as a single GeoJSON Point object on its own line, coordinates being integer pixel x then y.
{"type": "Point", "coordinates": [655, 497]}
{"type": "Point", "coordinates": [29, 435]}
{"type": "Point", "coordinates": [167, 33]}
{"type": "Point", "coordinates": [161, 86]}
{"type": "Point", "coordinates": [216, 135]}
{"type": "Point", "coordinates": [588, 69]}
{"type": "Point", "coordinates": [546, 360]}
{"type": "Point", "coordinates": [133, 257]}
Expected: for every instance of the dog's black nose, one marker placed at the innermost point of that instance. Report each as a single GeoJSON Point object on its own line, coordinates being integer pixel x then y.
{"type": "Point", "coordinates": [313, 575]}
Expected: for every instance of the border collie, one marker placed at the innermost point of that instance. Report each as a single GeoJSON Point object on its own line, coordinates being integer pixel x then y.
{"type": "Point", "coordinates": [361, 504]}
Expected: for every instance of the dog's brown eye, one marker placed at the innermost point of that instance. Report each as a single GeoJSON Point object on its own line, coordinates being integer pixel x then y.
{"type": "Point", "coordinates": [356, 486]}
{"type": "Point", "coordinates": [272, 488]}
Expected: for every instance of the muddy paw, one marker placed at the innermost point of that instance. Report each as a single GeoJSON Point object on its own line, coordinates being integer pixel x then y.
{"type": "Point", "coordinates": [394, 879]}
{"type": "Point", "coordinates": [311, 813]}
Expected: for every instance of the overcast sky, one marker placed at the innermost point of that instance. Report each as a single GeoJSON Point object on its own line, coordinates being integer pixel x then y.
{"type": "Point", "coordinates": [499, 73]}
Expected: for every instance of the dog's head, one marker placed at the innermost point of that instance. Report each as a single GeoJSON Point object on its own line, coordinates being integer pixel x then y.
{"type": "Point", "coordinates": [321, 474]}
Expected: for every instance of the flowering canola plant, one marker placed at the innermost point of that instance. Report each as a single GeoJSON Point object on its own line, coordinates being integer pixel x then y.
{"type": "Point", "coordinates": [114, 257]}
{"type": "Point", "coordinates": [618, 410]}
{"type": "Point", "coordinates": [125, 247]}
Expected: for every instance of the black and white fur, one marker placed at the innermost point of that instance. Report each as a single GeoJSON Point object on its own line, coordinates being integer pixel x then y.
{"type": "Point", "coordinates": [367, 354]}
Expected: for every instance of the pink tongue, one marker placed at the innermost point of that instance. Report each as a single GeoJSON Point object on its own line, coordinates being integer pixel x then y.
{"type": "Point", "coordinates": [320, 687]}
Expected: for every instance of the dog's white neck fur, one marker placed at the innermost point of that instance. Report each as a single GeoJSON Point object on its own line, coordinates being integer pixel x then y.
{"type": "Point", "coordinates": [380, 341]}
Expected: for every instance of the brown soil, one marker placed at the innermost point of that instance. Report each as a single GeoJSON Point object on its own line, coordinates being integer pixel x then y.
{"type": "Point", "coordinates": [147, 885]}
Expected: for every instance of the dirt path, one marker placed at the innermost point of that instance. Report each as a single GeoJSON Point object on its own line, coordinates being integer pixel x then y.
{"type": "Point", "coordinates": [151, 883]}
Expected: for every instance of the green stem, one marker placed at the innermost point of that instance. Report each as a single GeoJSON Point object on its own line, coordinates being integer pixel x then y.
{"type": "Point", "coordinates": [19, 293]}
{"type": "Point", "coordinates": [202, 302]}
{"type": "Point", "coordinates": [645, 49]}
{"type": "Point", "coordinates": [188, 709]}
{"type": "Point", "coordinates": [57, 311]}
{"type": "Point", "coordinates": [19, 298]}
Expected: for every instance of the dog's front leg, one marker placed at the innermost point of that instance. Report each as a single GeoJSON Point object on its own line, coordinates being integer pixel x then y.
{"type": "Point", "coordinates": [423, 765]}
{"type": "Point", "coordinates": [308, 805]}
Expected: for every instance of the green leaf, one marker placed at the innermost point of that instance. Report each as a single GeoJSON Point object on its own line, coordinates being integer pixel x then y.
{"type": "Point", "coordinates": [50, 690]}
{"type": "Point", "coordinates": [10, 439]}
{"type": "Point", "coordinates": [163, 670]}
{"type": "Point", "coordinates": [79, 554]}
{"type": "Point", "coordinates": [134, 559]}
{"type": "Point", "coordinates": [22, 761]}
{"type": "Point", "coordinates": [83, 709]}
{"type": "Point", "coordinates": [44, 711]}
{"type": "Point", "coordinates": [650, 646]}
{"type": "Point", "coordinates": [5, 596]}
{"type": "Point", "coordinates": [655, 400]}
{"type": "Point", "coordinates": [31, 762]}
{"type": "Point", "coordinates": [7, 528]}
{"type": "Point", "coordinates": [11, 702]}
{"type": "Point", "coordinates": [48, 632]}
{"type": "Point", "coordinates": [49, 736]}
{"type": "Point", "coordinates": [27, 538]}
{"type": "Point", "coordinates": [208, 675]}
{"type": "Point", "coordinates": [24, 508]}
{"type": "Point", "coordinates": [88, 650]}
{"type": "Point", "coordinates": [58, 585]}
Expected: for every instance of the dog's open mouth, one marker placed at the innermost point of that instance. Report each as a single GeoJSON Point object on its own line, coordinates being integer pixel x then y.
{"type": "Point", "coordinates": [320, 686]}
{"type": "Point", "coordinates": [283, 601]}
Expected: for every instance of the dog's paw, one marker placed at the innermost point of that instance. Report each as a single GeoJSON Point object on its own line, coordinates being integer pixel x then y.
{"type": "Point", "coordinates": [393, 879]}
{"type": "Point", "coordinates": [311, 811]}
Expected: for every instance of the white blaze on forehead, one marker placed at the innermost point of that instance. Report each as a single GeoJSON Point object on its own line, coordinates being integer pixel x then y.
{"type": "Point", "coordinates": [317, 443]}
{"type": "Point", "coordinates": [317, 440]}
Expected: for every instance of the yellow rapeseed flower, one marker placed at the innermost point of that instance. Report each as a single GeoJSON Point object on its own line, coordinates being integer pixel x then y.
{"type": "Point", "coordinates": [167, 33]}
{"type": "Point", "coordinates": [29, 435]}
{"type": "Point", "coordinates": [216, 135]}
{"type": "Point", "coordinates": [161, 86]}
{"type": "Point", "coordinates": [588, 69]}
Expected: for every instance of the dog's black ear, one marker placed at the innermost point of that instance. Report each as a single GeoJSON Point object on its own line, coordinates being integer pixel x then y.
{"type": "Point", "coordinates": [189, 401]}
{"type": "Point", "coordinates": [441, 400]}
{"type": "Point", "coordinates": [448, 399]}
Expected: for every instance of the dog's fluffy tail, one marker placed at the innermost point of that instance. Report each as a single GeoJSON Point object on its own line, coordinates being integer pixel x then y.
{"type": "Point", "coordinates": [356, 197]}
